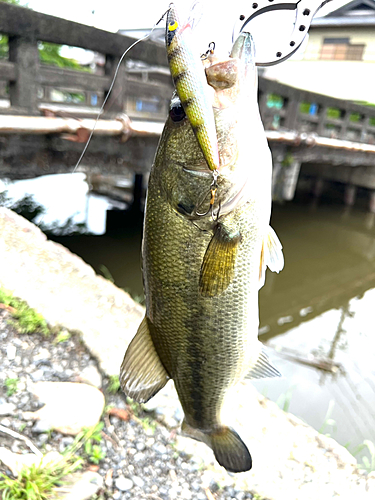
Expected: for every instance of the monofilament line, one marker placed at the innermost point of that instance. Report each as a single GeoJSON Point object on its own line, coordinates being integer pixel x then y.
{"type": "Point", "coordinates": [111, 87]}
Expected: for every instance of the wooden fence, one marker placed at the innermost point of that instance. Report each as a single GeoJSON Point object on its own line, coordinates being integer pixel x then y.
{"type": "Point", "coordinates": [29, 85]}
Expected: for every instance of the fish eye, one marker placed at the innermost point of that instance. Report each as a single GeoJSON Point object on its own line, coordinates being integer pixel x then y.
{"type": "Point", "coordinates": [177, 112]}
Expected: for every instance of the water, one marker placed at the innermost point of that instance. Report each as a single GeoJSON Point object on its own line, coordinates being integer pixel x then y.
{"type": "Point", "coordinates": [319, 308]}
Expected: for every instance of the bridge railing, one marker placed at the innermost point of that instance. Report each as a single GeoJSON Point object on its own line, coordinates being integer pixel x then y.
{"type": "Point", "coordinates": [287, 108]}
{"type": "Point", "coordinates": [28, 83]}
{"type": "Point", "coordinates": [145, 93]}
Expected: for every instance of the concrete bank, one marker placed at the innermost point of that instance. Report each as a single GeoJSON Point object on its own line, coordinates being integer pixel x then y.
{"type": "Point", "coordinates": [291, 460]}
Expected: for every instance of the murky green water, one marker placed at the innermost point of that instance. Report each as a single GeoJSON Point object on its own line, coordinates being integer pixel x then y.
{"type": "Point", "coordinates": [318, 312]}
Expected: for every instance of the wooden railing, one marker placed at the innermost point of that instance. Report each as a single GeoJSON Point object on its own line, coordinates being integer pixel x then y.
{"type": "Point", "coordinates": [286, 108]}
{"type": "Point", "coordinates": [145, 93]}
{"type": "Point", "coordinates": [28, 83]}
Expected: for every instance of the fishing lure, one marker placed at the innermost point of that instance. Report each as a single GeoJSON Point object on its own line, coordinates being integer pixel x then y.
{"type": "Point", "coordinates": [191, 84]}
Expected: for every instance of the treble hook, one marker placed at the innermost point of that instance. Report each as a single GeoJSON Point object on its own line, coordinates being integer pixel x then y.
{"type": "Point", "coordinates": [213, 191]}
{"type": "Point", "coordinates": [211, 50]}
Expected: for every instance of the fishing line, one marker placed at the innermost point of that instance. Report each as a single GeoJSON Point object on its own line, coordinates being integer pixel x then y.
{"type": "Point", "coordinates": [111, 87]}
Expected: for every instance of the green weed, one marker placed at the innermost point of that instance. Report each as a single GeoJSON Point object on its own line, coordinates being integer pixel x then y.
{"type": "Point", "coordinates": [37, 482]}
{"type": "Point", "coordinates": [11, 386]}
{"type": "Point", "coordinates": [367, 464]}
{"type": "Point", "coordinates": [62, 336]}
{"type": "Point", "coordinates": [148, 424]}
{"type": "Point", "coordinates": [27, 319]}
{"type": "Point", "coordinates": [135, 408]}
{"type": "Point", "coordinates": [114, 384]}
{"type": "Point", "coordinates": [328, 421]}
{"type": "Point", "coordinates": [284, 399]}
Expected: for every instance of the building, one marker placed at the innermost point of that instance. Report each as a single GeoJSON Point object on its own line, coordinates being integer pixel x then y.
{"type": "Point", "coordinates": [339, 57]}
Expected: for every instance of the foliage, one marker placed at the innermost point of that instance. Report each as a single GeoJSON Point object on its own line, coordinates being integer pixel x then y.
{"type": "Point", "coordinates": [28, 320]}
{"type": "Point", "coordinates": [62, 336]}
{"type": "Point", "coordinates": [11, 386]}
{"type": "Point", "coordinates": [367, 464]}
{"type": "Point", "coordinates": [87, 438]}
{"type": "Point", "coordinates": [38, 481]}
{"type": "Point", "coordinates": [31, 210]}
{"type": "Point", "coordinates": [114, 384]}
{"type": "Point", "coordinates": [333, 113]}
{"type": "Point", "coordinates": [328, 421]}
{"type": "Point", "coordinates": [49, 53]}
{"type": "Point", "coordinates": [26, 206]}
{"type": "Point", "coordinates": [284, 399]}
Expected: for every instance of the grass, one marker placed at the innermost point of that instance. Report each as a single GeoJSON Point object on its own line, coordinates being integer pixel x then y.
{"type": "Point", "coordinates": [11, 386]}
{"type": "Point", "coordinates": [28, 320]}
{"type": "Point", "coordinates": [114, 384]}
{"type": "Point", "coordinates": [38, 481]}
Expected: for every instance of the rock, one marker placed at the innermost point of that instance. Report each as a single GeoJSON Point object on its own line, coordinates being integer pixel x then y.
{"type": "Point", "coordinates": [7, 408]}
{"type": "Point", "coordinates": [11, 352]}
{"type": "Point", "coordinates": [15, 461]}
{"type": "Point", "coordinates": [78, 486]}
{"type": "Point", "coordinates": [123, 483]}
{"type": "Point", "coordinates": [138, 481]}
{"type": "Point", "coordinates": [91, 376]}
{"type": "Point", "coordinates": [68, 406]}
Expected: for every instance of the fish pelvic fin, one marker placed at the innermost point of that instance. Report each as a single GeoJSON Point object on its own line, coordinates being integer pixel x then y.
{"type": "Point", "coordinates": [229, 449]}
{"type": "Point", "coordinates": [263, 368]}
{"type": "Point", "coordinates": [271, 255]}
{"type": "Point", "coordinates": [142, 373]}
{"type": "Point", "coordinates": [218, 264]}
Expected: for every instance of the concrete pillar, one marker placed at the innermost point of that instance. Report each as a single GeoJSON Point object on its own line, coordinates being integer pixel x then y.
{"type": "Point", "coordinates": [23, 93]}
{"type": "Point", "coordinates": [318, 187]}
{"type": "Point", "coordinates": [350, 195]}
{"type": "Point", "coordinates": [372, 201]}
{"type": "Point", "coordinates": [290, 179]}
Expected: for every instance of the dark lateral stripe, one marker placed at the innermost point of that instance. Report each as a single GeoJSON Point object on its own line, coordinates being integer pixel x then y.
{"type": "Point", "coordinates": [181, 75]}
{"type": "Point", "coordinates": [188, 102]}
{"type": "Point", "coordinates": [197, 127]}
{"type": "Point", "coordinates": [172, 54]}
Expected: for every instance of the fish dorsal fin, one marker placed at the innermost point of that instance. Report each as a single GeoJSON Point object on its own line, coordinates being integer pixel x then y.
{"type": "Point", "coordinates": [142, 373]}
{"type": "Point", "coordinates": [271, 255]}
{"type": "Point", "coordinates": [263, 367]}
{"type": "Point", "coordinates": [217, 269]}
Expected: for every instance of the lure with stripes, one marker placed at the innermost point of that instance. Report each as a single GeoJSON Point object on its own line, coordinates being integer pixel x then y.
{"type": "Point", "coordinates": [191, 85]}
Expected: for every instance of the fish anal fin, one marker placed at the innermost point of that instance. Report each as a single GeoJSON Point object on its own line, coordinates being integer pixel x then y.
{"type": "Point", "coordinates": [229, 449]}
{"type": "Point", "coordinates": [218, 264]}
{"type": "Point", "coordinates": [271, 255]}
{"type": "Point", "coordinates": [262, 368]}
{"type": "Point", "coordinates": [142, 373]}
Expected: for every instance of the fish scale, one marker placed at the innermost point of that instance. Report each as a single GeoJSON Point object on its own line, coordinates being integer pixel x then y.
{"type": "Point", "coordinates": [202, 273]}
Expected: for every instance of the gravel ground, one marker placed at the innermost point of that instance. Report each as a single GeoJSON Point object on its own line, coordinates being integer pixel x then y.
{"type": "Point", "coordinates": [141, 461]}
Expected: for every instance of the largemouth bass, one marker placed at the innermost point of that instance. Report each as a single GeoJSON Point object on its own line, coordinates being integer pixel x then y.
{"type": "Point", "coordinates": [202, 269]}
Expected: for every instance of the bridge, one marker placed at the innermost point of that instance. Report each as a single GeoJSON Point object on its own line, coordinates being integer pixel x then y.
{"type": "Point", "coordinates": [47, 113]}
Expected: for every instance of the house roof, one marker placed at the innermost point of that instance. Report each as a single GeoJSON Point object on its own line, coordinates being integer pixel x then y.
{"type": "Point", "coordinates": [355, 13]}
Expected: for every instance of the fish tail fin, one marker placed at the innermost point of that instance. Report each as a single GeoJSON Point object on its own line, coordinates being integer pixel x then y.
{"type": "Point", "coordinates": [229, 449]}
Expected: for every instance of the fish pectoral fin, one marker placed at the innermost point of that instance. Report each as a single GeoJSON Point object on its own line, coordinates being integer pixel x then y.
{"type": "Point", "coordinates": [217, 269]}
{"type": "Point", "coordinates": [271, 255]}
{"type": "Point", "coordinates": [263, 368]}
{"type": "Point", "coordinates": [142, 373]}
{"type": "Point", "coordinates": [229, 449]}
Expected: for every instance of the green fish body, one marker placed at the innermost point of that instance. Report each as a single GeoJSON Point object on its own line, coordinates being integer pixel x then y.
{"type": "Point", "coordinates": [202, 273]}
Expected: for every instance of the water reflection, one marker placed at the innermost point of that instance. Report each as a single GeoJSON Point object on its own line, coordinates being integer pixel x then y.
{"type": "Point", "coordinates": [317, 316]}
